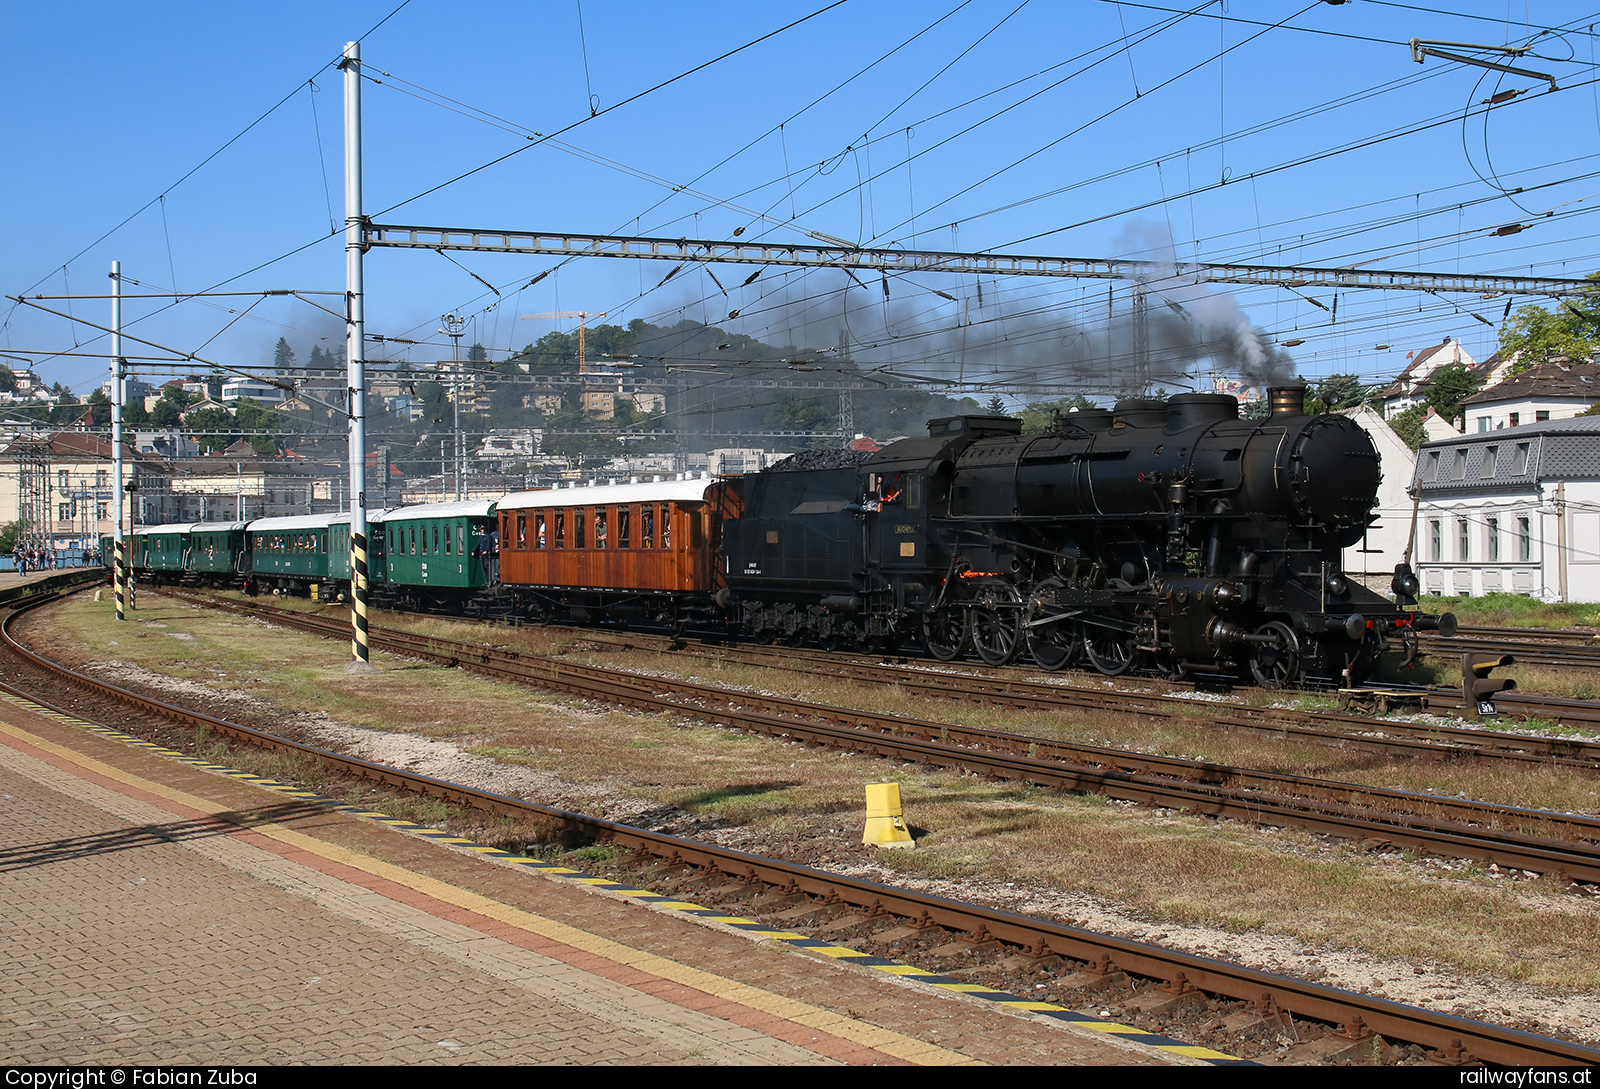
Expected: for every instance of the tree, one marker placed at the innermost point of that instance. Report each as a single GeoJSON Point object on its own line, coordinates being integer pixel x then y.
{"type": "Point", "coordinates": [477, 353]}
{"type": "Point", "coordinates": [1335, 392]}
{"type": "Point", "coordinates": [1448, 387]}
{"type": "Point", "coordinates": [1408, 425]}
{"type": "Point", "coordinates": [283, 357]}
{"type": "Point", "coordinates": [8, 381]}
{"type": "Point", "coordinates": [1572, 329]}
{"type": "Point", "coordinates": [996, 406]}
{"type": "Point", "coordinates": [1040, 416]}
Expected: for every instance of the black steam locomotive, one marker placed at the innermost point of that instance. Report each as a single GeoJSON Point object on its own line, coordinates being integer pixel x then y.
{"type": "Point", "coordinates": [1164, 534]}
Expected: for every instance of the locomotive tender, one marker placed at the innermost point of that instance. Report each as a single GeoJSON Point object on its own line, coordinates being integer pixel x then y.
{"type": "Point", "coordinates": [1168, 534]}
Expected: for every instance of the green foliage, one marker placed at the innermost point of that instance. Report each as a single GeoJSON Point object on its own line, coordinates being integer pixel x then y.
{"type": "Point", "coordinates": [1336, 392]}
{"type": "Point", "coordinates": [1040, 416]}
{"type": "Point", "coordinates": [208, 428]}
{"type": "Point", "coordinates": [1408, 425]}
{"type": "Point", "coordinates": [283, 357]}
{"type": "Point", "coordinates": [8, 381]}
{"type": "Point", "coordinates": [1571, 329]}
{"type": "Point", "coordinates": [1592, 410]}
{"type": "Point", "coordinates": [1448, 387]}
{"type": "Point", "coordinates": [996, 406]}
{"type": "Point", "coordinates": [8, 537]}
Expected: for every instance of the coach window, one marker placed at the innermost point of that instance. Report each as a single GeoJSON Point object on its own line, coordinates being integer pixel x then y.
{"type": "Point", "coordinates": [561, 528]}
{"type": "Point", "coordinates": [522, 529]}
{"type": "Point", "coordinates": [666, 525]}
{"type": "Point", "coordinates": [435, 540]}
{"type": "Point", "coordinates": [647, 527]}
{"type": "Point", "coordinates": [413, 540]}
{"type": "Point", "coordinates": [461, 539]}
{"type": "Point", "coordinates": [622, 528]}
{"type": "Point", "coordinates": [447, 545]}
{"type": "Point", "coordinates": [600, 523]}
{"type": "Point", "coordinates": [577, 530]}
{"type": "Point", "coordinates": [538, 529]}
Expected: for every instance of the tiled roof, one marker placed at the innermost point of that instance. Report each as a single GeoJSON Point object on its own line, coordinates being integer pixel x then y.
{"type": "Point", "coordinates": [1549, 379]}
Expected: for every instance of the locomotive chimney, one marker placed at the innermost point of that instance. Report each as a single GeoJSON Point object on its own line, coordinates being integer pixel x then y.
{"type": "Point", "coordinates": [1286, 401]}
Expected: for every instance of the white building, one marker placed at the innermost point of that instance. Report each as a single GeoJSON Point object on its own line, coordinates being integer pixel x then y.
{"type": "Point", "coordinates": [1558, 389]}
{"type": "Point", "coordinates": [1372, 559]}
{"type": "Point", "coordinates": [1411, 385]}
{"type": "Point", "coordinates": [262, 392]}
{"type": "Point", "coordinates": [1515, 510]}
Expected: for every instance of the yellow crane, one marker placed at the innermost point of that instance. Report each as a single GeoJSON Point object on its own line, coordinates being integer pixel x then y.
{"type": "Point", "coordinates": [582, 316]}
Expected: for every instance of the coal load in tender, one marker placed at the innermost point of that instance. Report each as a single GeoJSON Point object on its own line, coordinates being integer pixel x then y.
{"type": "Point", "coordinates": [820, 459]}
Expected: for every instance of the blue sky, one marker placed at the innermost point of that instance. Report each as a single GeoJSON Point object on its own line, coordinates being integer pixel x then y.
{"type": "Point", "coordinates": [948, 125]}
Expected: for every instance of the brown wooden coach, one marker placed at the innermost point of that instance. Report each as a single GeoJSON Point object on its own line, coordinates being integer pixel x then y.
{"type": "Point", "coordinates": [647, 549]}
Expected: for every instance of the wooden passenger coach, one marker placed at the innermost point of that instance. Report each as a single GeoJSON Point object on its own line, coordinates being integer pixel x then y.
{"type": "Point", "coordinates": [647, 549]}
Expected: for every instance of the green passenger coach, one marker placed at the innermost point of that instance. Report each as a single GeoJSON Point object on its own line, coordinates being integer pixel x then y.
{"type": "Point", "coordinates": [289, 554]}
{"type": "Point", "coordinates": [430, 553]}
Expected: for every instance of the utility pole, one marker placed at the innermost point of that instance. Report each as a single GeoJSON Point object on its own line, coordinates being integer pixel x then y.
{"type": "Point", "coordinates": [454, 326]}
{"type": "Point", "coordinates": [119, 575]}
{"type": "Point", "coordinates": [355, 345]}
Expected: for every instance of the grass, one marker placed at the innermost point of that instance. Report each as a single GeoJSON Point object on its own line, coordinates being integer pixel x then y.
{"type": "Point", "coordinates": [1514, 611]}
{"type": "Point", "coordinates": [1171, 869]}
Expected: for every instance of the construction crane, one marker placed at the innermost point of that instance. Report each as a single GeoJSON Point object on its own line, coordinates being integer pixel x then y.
{"type": "Point", "coordinates": [581, 315]}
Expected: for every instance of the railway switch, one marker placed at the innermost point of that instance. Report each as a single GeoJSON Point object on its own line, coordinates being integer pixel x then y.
{"type": "Point", "coordinates": [886, 825]}
{"type": "Point", "coordinates": [1477, 687]}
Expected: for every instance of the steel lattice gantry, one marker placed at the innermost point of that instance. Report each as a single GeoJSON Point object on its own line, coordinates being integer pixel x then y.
{"type": "Point", "coordinates": [803, 255]}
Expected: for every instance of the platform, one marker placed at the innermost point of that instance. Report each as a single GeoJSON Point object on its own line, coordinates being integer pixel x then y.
{"type": "Point", "coordinates": [161, 912]}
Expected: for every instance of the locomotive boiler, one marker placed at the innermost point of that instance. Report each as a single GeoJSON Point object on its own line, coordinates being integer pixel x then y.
{"type": "Point", "coordinates": [1170, 534]}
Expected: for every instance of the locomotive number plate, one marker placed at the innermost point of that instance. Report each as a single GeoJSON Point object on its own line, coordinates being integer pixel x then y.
{"type": "Point", "coordinates": [908, 529]}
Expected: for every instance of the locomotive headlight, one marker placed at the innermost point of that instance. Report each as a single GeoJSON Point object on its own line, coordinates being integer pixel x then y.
{"type": "Point", "coordinates": [1337, 584]}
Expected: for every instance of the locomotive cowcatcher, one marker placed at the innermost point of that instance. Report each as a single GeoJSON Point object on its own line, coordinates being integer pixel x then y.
{"type": "Point", "coordinates": [1166, 534]}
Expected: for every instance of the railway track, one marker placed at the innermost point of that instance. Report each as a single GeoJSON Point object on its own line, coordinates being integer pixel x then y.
{"type": "Point", "coordinates": [1455, 1040]}
{"type": "Point", "coordinates": [1017, 688]}
{"type": "Point", "coordinates": [1535, 841]}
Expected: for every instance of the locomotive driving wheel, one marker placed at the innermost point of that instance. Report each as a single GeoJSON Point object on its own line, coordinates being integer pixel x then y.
{"type": "Point", "coordinates": [945, 632]}
{"type": "Point", "coordinates": [1276, 664]}
{"type": "Point", "coordinates": [1055, 645]}
{"type": "Point", "coordinates": [996, 624]}
{"type": "Point", "coordinates": [1110, 651]}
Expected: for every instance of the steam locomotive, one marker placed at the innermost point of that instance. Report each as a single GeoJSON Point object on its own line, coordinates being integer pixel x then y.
{"type": "Point", "coordinates": [1169, 533]}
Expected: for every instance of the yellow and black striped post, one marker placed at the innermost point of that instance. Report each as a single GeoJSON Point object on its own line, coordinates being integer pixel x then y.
{"type": "Point", "coordinates": [118, 579]}
{"type": "Point", "coordinates": [358, 597]}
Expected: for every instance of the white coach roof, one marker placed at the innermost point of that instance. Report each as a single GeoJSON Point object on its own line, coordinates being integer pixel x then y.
{"type": "Point", "coordinates": [602, 495]}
